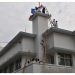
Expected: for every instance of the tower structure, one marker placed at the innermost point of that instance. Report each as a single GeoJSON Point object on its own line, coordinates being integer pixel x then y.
{"type": "Point", "coordinates": [39, 25]}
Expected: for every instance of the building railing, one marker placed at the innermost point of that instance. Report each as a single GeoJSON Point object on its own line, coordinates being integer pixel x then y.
{"type": "Point", "coordinates": [58, 69]}
{"type": "Point", "coordinates": [47, 68]}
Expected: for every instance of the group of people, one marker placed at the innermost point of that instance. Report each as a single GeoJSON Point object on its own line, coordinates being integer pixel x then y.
{"type": "Point", "coordinates": [54, 23]}
{"type": "Point", "coordinates": [32, 60]}
{"type": "Point", "coordinates": [41, 9]}
{"type": "Point", "coordinates": [44, 10]}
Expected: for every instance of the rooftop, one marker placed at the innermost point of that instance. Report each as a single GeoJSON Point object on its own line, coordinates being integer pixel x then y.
{"type": "Point", "coordinates": [58, 30]}
{"type": "Point", "coordinates": [39, 14]}
{"type": "Point", "coordinates": [20, 35]}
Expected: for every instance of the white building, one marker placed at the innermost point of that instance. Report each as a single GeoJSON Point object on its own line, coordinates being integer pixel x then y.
{"type": "Point", "coordinates": [24, 53]}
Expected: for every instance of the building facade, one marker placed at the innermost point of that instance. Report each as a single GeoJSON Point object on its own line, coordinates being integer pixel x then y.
{"type": "Point", "coordinates": [29, 53]}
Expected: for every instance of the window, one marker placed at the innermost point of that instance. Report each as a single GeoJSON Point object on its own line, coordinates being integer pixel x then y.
{"type": "Point", "coordinates": [11, 67]}
{"type": "Point", "coordinates": [50, 59]}
{"type": "Point", "coordinates": [65, 59]}
{"type": "Point", "coordinates": [18, 64]}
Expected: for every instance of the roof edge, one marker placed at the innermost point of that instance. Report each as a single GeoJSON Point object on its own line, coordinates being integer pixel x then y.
{"type": "Point", "coordinates": [58, 30]}
{"type": "Point", "coordinates": [19, 36]}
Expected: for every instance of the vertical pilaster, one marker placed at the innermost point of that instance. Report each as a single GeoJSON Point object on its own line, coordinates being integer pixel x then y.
{"type": "Point", "coordinates": [40, 25]}
{"type": "Point", "coordinates": [56, 58]}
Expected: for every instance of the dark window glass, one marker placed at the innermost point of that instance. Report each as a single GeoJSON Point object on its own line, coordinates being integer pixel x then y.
{"type": "Point", "coordinates": [11, 67]}
{"type": "Point", "coordinates": [65, 59]}
{"type": "Point", "coordinates": [67, 56]}
{"type": "Point", "coordinates": [50, 59]}
{"type": "Point", "coordinates": [18, 64]}
{"type": "Point", "coordinates": [61, 62]}
{"type": "Point", "coordinates": [68, 62]}
{"type": "Point", "coordinates": [61, 55]}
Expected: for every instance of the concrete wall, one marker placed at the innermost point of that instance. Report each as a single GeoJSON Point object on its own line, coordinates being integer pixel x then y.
{"type": "Point", "coordinates": [29, 69]}
{"type": "Point", "coordinates": [64, 41]}
{"type": "Point", "coordinates": [35, 67]}
{"type": "Point", "coordinates": [58, 69]}
{"type": "Point", "coordinates": [48, 68]}
{"type": "Point", "coordinates": [51, 41]}
{"type": "Point", "coordinates": [15, 49]}
{"type": "Point", "coordinates": [32, 68]}
{"type": "Point", "coordinates": [28, 44]}
{"type": "Point", "coordinates": [40, 25]}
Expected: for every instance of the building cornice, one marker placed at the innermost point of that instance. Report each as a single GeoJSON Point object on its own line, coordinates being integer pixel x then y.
{"type": "Point", "coordinates": [58, 30]}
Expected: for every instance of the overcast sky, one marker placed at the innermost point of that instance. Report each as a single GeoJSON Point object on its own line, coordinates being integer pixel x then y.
{"type": "Point", "coordinates": [14, 17]}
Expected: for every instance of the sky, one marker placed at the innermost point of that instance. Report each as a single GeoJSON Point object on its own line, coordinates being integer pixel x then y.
{"type": "Point", "coordinates": [14, 17]}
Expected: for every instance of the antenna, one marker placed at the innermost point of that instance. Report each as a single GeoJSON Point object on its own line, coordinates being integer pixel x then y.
{"type": "Point", "coordinates": [25, 29]}
{"type": "Point", "coordinates": [39, 4]}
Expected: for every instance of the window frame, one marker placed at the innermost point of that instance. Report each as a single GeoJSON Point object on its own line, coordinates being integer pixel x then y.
{"type": "Point", "coordinates": [50, 59]}
{"type": "Point", "coordinates": [65, 58]}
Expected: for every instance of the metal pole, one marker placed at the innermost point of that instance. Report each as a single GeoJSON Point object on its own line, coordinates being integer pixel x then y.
{"type": "Point", "coordinates": [39, 4]}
